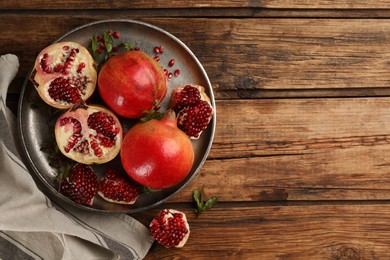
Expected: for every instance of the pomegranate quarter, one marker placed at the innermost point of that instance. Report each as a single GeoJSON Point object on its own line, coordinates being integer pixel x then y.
{"type": "Point", "coordinates": [193, 109]}
{"type": "Point", "coordinates": [170, 228]}
{"type": "Point", "coordinates": [132, 83]}
{"type": "Point", "coordinates": [156, 153]}
{"type": "Point", "coordinates": [64, 74]}
{"type": "Point", "coordinates": [89, 134]}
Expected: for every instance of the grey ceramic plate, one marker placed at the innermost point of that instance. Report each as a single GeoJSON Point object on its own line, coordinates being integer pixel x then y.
{"type": "Point", "coordinates": [32, 123]}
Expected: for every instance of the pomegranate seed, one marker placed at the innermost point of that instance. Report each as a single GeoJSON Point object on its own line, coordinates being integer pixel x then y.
{"type": "Point", "coordinates": [81, 67]}
{"type": "Point", "coordinates": [137, 49]}
{"type": "Point", "coordinates": [115, 48]}
{"type": "Point", "coordinates": [156, 49]}
{"type": "Point", "coordinates": [161, 49]}
{"type": "Point", "coordinates": [116, 35]}
{"type": "Point", "coordinates": [170, 75]}
{"type": "Point", "coordinates": [99, 38]}
{"type": "Point", "coordinates": [176, 73]}
{"type": "Point", "coordinates": [171, 63]}
{"type": "Point", "coordinates": [166, 72]}
{"type": "Point", "coordinates": [156, 58]}
{"type": "Point", "coordinates": [98, 50]}
{"type": "Point", "coordinates": [103, 46]}
{"type": "Point", "coordinates": [65, 48]}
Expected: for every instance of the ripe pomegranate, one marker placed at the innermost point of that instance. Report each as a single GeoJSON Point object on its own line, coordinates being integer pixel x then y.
{"type": "Point", "coordinates": [64, 74]}
{"type": "Point", "coordinates": [170, 228]}
{"type": "Point", "coordinates": [89, 134]}
{"type": "Point", "coordinates": [193, 108]}
{"type": "Point", "coordinates": [114, 187]}
{"type": "Point", "coordinates": [132, 83]}
{"type": "Point", "coordinates": [156, 153]}
{"type": "Point", "coordinates": [80, 185]}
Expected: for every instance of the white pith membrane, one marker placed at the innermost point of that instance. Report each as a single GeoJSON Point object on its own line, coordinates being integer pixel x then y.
{"type": "Point", "coordinates": [170, 215]}
{"type": "Point", "coordinates": [64, 133]}
{"type": "Point", "coordinates": [57, 55]}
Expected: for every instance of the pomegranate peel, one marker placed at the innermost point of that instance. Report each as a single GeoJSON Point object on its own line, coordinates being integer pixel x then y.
{"type": "Point", "coordinates": [193, 108]}
{"type": "Point", "coordinates": [170, 228]}
{"type": "Point", "coordinates": [89, 134]}
{"type": "Point", "coordinates": [156, 153]}
{"type": "Point", "coordinates": [115, 188]}
{"type": "Point", "coordinates": [64, 74]}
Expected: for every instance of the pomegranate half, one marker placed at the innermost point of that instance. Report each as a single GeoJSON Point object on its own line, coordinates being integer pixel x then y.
{"type": "Point", "coordinates": [156, 153]}
{"type": "Point", "coordinates": [132, 83]}
{"type": "Point", "coordinates": [64, 74]}
{"type": "Point", "coordinates": [89, 134]}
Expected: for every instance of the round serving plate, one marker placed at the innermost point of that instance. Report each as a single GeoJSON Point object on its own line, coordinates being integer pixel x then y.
{"type": "Point", "coordinates": [32, 122]}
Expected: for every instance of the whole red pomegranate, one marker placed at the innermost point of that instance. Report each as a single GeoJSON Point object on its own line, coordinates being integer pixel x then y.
{"type": "Point", "coordinates": [89, 134]}
{"type": "Point", "coordinates": [132, 83]}
{"type": "Point", "coordinates": [156, 153]}
{"type": "Point", "coordinates": [64, 74]}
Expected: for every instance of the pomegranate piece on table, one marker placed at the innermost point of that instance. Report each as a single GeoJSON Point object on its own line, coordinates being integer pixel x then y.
{"type": "Point", "coordinates": [170, 228]}
{"type": "Point", "coordinates": [193, 108]}
{"type": "Point", "coordinates": [114, 187]}
{"type": "Point", "coordinates": [64, 74]}
{"type": "Point", "coordinates": [80, 185]}
{"type": "Point", "coordinates": [156, 153]}
{"type": "Point", "coordinates": [89, 134]}
{"type": "Point", "coordinates": [132, 83]}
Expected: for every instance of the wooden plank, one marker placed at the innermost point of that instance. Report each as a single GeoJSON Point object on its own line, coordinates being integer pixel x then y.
{"type": "Point", "coordinates": [357, 231]}
{"type": "Point", "coordinates": [290, 4]}
{"type": "Point", "coordinates": [281, 55]}
{"type": "Point", "coordinates": [298, 149]}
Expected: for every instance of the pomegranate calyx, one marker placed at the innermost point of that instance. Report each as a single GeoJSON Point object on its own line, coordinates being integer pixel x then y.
{"type": "Point", "coordinates": [79, 105]}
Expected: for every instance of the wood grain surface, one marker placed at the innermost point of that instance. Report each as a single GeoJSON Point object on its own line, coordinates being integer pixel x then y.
{"type": "Point", "coordinates": [300, 160]}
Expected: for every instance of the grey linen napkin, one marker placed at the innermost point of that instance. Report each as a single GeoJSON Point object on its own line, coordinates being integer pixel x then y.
{"type": "Point", "coordinates": [33, 227]}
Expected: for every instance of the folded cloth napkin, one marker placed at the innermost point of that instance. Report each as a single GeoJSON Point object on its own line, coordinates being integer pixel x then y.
{"type": "Point", "coordinates": [33, 227]}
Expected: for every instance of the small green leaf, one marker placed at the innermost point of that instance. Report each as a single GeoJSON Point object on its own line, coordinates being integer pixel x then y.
{"type": "Point", "coordinates": [202, 206]}
{"type": "Point", "coordinates": [211, 202]}
{"type": "Point", "coordinates": [109, 47]}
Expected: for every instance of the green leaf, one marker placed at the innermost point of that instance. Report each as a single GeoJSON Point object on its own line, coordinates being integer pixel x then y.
{"type": "Point", "coordinates": [109, 47]}
{"type": "Point", "coordinates": [201, 205]}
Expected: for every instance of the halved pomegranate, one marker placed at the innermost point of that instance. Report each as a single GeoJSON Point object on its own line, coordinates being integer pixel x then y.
{"type": "Point", "coordinates": [114, 187]}
{"type": "Point", "coordinates": [89, 134]}
{"type": "Point", "coordinates": [193, 109]}
{"type": "Point", "coordinates": [64, 74]}
{"type": "Point", "coordinates": [132, 83]}
{"type": "Point", "coordinates": [170, 228]}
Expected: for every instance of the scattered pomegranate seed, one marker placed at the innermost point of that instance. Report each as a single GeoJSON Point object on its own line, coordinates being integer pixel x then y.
{"type": "Point", "coordinates": [99, 38]}
{"type": "Point", "coordinates": [103, 46]}
{"type": "Point", "coordinates": [166, 72]}
{"type": "Point", "coordinates": [161, 49]}
{"type": "Point", "coordinates": [171, 63]}
{"type": "Point", "coordinates": [137, 49]}
{"type": "Point", "coordinates": [170, 75]}
{"type": "Point", "coordinates": [116, 35]}
{"type": "Point", "coordinates": [115, 48]}
{"type": "Point", "coordinates": [157, 58]}
{"type": "Point", "coordinates": [176, 73]}
{"type": "Point", "coordinates": [98, 50]}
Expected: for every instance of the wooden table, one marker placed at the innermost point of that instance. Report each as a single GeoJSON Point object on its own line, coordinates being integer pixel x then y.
{"type": "Point", "coordinates": [301, 156]}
